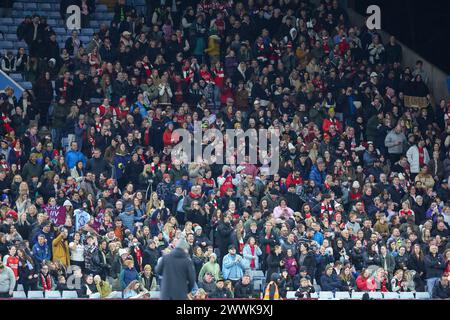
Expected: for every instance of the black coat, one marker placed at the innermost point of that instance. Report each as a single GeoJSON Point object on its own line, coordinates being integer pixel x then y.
{"type": "Point", "coordinates": [434, 266]}
{"type": "Point", "coordinates": [178, 275]}
{"type": "Point", "coordinates": [441, 292]}
{"type": "Point", "coordinates": [416, 264]}
{"type": "Point", "coordinates": [223, 239]}
{"type": "Point", "coordinates": [273, 265]}
{"type": "Point", "coordinates": [243, 291]}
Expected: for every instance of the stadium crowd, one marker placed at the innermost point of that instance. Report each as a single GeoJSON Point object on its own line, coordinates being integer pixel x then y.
{"type": "Point", "coordinates": [90, 194]}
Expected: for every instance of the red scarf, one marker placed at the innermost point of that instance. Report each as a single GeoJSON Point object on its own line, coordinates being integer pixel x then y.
{"type": "Point", "coordinates": [252, 261]}
{"type": "Point", "coordinates": [383, 286]}
{"type": "Point", "coordinates": [421, 156]}
{"type": "Point", "coordinates": [46, 282]}
{"type": "Point", "coordinates": [138, 253]}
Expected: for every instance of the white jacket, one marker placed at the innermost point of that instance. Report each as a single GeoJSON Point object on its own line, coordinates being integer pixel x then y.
{"type": "Point", "coordinates": [413, 158]}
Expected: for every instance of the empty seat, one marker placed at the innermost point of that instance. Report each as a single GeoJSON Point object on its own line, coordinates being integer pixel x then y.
{"type": "Point", "coordinates": [290, 295]}
{"type": "Point", "coordinates": [6, 44]}
{"type": "Point", "coordinates": [375, 295]}
{"type": "Point", "coordinates": [30, 6]}
{"type": "Point", "coordinates": [101, 8]}
{"type": "Point", "coordinates": [258, 274]}
{"type": "Point", "coordinates": [7, 21]}
{"type": "Point", "coordinates": [18, 5]}
{"type": "Point", "coordinates": [53, 14]}
{"type": "Point", "coordinates": [407, 295]}
{"type": "Point", "coordinates": [21, 44]}
{"type": "Point", "coordinates": [45, 6]}
{"type": "Point", "coordinates": [35, 295]}
{"type": "Point", "coordinates": [326, 295]}
{"type": "Point", "coordinates": [314, 295]}
{"type": "Point", "coordinates": [87, 31]}
{"type": "Point", "coordinates": [155, 294]}
{"type": "Point", "coordinates": [52, 295]}
{"type": "Point", "coordinates": [19, 295]}
{"type": "Point", "coordinates": [26, 85]}
{"type": "Point", "coordinates": [317, 288]}
{"type": "Point", "coordinates": [423, 296]}
{"type": "Point", "coordinates": [257, 285]}
{"type": "Point", "coordinates": [357, 295]}
{"type": "Point", "coordinates": [391, 295]}
{"type": "Point", "coordinates": [16, 76]}
{"type": "Point", "coordinates": [341, 295]}
{"type": "Point", "coordinates": [70, 295]}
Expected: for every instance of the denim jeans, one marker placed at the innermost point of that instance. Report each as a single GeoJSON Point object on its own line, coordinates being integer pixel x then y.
{"type": "Point", "coordinates": [57, 135]}
{"type": "Point", "coordinates": [430, 285]}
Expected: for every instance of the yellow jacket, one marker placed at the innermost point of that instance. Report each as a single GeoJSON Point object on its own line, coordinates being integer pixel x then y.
{"type": "Point", "coordinates": [213, 46]}
{"type": "Point", "coordinates": [60, 250]}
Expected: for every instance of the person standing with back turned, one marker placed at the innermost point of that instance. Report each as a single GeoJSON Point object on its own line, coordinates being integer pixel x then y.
{"type": "Point", "coordinates": [178, 273]}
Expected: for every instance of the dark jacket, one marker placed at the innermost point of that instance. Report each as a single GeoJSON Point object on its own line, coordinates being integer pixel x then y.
{"type": "Point", "coordinates": [178, 275]}
{"type": "Point", "coordinates": [441, 292]}
{"type": "Point", "coordinates": [434, 266]}
{"type": "Point", "coordinates": [243, 291]}
{"type": "Point", "coordinates": [330, 283]}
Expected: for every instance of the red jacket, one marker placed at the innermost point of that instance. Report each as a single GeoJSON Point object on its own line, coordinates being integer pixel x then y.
{"type": "Point", "coordinates": [290, 180]}
{"type": "Point", "coordinates": [364, 284]}
{"type": "Point", "coordinates": [328, 122]}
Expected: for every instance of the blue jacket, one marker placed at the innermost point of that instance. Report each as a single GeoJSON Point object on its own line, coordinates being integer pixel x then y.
{"type": "Point", "coordinates": [127, 275]}
{"type": "Point", "coordinates": [247, 254]}
{"type": "Point", "coordinates": [72, 157]}
{"type": "Point", "coordinates": [141, 107]}
{"type": "Point", "coordinates": [231, 268]}
{"type": "Point", "coordinates": [331, 283]}
{"type": "Point", "coordinates": [81, 218]}
{"type": "Point", "coordinates": [318, 237]}
{"type": "Point", "coordinates": [42, 253]}
{"type": "Point", "coordinates": [128, 220]}
{"type": "Point", "coordinates": [317, 176]}
{"type": "Point", "coordinates": [120, 159]}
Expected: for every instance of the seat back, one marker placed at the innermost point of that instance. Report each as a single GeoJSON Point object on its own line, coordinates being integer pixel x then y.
{"type": "Point", "coordinates": [19, 295]}
{"type": "Point", "coordinates": [35, 295]}
{"type": "Point", "coordinates": [327, 295]}
{"type": "Point", "coordinates": [422, 296]}
{"type": "Point", "coordinates": [341, 295]}
{"type": "Point", "coordinates": [357, 295]}
{"type": "Point", "coordinates": [52, 295]}
{"type": "Point", "coordinates": [407, 295]}
{"type": "Point", "coordinates": [391, 295]}
{"type": "Point", "coordinates": [70, 295]}
{"type": "Point", "coordinates": [375, 295]}
{"type": "Point", "coordinates": [290, 295]}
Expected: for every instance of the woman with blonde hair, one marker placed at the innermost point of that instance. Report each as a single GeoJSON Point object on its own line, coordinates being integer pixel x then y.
{"type": "Point", "coordinates": [147, 278]}
{"type": "Point", "coordinates": [135, 290]}
{"type": "Point", "coordinates": [23, 201]}
{"type": "Point", "coordinates": [153, 203]}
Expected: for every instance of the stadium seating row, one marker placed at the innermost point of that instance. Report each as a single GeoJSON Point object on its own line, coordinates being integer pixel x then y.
{"type": "Point", "coordinates": [328, 295]}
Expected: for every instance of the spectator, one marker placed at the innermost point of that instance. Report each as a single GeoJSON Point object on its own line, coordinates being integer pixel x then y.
{"type": "Point", "coordinates": [233, 265]}
{"type": "Point", "coordinates": [434, 266]}
{"type": "Point", "coordinates": [178, 273]}
{"type": "Point", "coordinates": [7, 281]}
